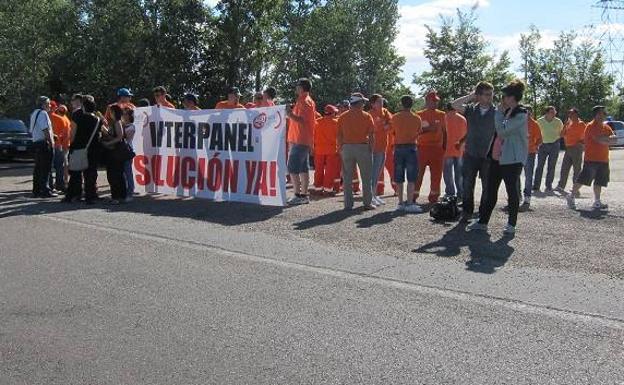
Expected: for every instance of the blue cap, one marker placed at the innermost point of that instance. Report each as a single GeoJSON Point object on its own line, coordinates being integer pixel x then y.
{"type": "Point", "coordinates": [124, 92]}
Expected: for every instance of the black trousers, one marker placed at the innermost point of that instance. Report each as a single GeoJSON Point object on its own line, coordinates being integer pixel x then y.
{"type": "Point", "coordinates": [510, 174]}
{"type": "Point", "coordinates": [116, 180]}
{"type": "Point", "coordinates": [44, 153]}
{"type": "Point", "coordinates": [89, 176]}
{"type": "Point", "coordinates": [471, 167]}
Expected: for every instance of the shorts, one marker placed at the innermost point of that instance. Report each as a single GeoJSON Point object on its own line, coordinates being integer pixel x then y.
{"type": "Point", "coordinates": [405, 162]}
{"type": "Point", "coordinates": [596, 172]}
{"type": "Point", "coordinates": [298, 159]}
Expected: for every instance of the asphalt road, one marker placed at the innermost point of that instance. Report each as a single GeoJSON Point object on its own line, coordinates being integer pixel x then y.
{"type": "Point", "coordinates": [183, 291]}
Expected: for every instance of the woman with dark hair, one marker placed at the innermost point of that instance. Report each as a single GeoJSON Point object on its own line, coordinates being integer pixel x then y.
{"type": "Point", "coordinates": [114, 167]}
{"type": "Point", "coordinates": [85, 133]}
{"type": "Point", "coordinates": [507, 156]}
{"type": "Point", "coordinates": [127, 120]}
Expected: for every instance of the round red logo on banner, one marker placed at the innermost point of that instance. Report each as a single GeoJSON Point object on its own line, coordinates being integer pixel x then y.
{"type": "Point", "coordinates": [260, 120]}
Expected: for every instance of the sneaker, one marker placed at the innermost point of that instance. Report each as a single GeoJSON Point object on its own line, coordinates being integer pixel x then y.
{"type": "Point", "coordinates": [370, 207]}
{"type": "Point", "coordinates": [379, 201]}
{"type": "Point", "coordinates": [527, 201]}
{"type": "Point", "coordinates": [294, 200]}
{"type": "Point", "coordinates": [476, 226]}
{"type": "Point", "coordinates": [465, 218]}
{"type": "Point", "coordinates": [600, 206]}
{"type": "Point", "coordinates": [401, 206]}
{"type": "Point", "coordinates": [560, 189]}
{"type": "Point", "coordinates": [413, 208]}
{"type": "Point", "coordinates": [48, 195]}
{"type": "Point", "coordinates": [571, 202]}
{"type": "Point", "coordinates": [509, 230]}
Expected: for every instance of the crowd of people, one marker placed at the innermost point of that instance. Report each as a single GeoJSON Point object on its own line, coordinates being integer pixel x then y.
{"type": "Point", "coordinates": [352, 143]}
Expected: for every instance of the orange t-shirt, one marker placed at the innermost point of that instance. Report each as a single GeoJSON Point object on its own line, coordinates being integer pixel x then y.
{"type": "Point", "coordinates": [594, 151]}
{"type": "Point", "coordinates": [535, 136]}
{"type": "Point", "coordinates": [108, 115]}
{"type": "Point", "coordinates": [268, 103]}
{"type": "Point", "coordinates": [381, 119]}
{"type": "Point", "coordinates": [61, 127]}
{"type": "Point", "coordinates": [303, 133]}
{"type": "Point", "coordinates": [436, 119]}
{"type": "Point", "coordinates": [355, 127]}
{"type": "Point", "coordinates": [574, 133]}
{"type": "Point", "coordinates": [456, 129]}
{"type": "Point", "coordinates": [405, 127]}
{"type": "Point", "coordinates": [325, 134]}
{"type": "Point", "coordinates": [226, 105]}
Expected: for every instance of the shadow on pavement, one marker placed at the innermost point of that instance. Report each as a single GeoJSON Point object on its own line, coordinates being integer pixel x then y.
{"type": "Point", "coordinates": [17, 203]}
{"type": "Point", "coordinates": [328, 219]}
{"type": "Point", "coordinates": [485, 256]}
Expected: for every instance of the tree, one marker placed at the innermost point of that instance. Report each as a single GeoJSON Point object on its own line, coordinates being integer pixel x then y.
{"type": "Point", "coordinates": [458, 58]}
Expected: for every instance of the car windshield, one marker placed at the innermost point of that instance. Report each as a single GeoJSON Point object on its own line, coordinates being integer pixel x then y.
{"type": "Point", "coordinates": [12, 126]}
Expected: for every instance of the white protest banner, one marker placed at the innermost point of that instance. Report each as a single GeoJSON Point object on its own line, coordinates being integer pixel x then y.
{"type": "Point", "coordinates": [224, 155]}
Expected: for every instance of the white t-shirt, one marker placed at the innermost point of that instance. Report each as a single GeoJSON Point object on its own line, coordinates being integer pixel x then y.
{"type": "Point", "coordinates": [38, 127]}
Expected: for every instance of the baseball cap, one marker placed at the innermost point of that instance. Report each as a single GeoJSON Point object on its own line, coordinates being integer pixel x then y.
{"type": "Point", "coordinates": [357, 98]}
{"type": "Point", "coordinates": [234, 90]}
{"type": "Point", "coordinates": [330, 109]}
{"type": "Point", "coordinates": [124, 92]}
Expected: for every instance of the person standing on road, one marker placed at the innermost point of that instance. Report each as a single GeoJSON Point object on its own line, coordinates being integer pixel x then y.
{"type": "Point", "coordinates": [356, 140]}
{"type": "Point", "coordinates": [535, 139]}
{"type": "Point", "coordinates": [479, 112]}
{"type": "Point", "coordinates": [551, 127]}
{"type": "Point", "coordinates": [598, 137]}
{"type": "Point", "coordinates": [573, 135]}
{"type": "Point", "coordinates": [127, 121]}
{"type": "Point", "coordinates": [61, 127]}
{"type": "Point", "coordinates": [381, 117]}
{"type": "Point", "coordinates": [507, 156]}
{"type": "Point", "coordinates": [326, 158]}
{"type": "Point", "coordinates": [115, 169]}
{"type": "Point", "coordinates": [405, 126]}
{"type": "Point", "coordinates": [456, 128]}
{"type": "Point", "coordinates": [43, 145]}
{"type": "Point", "coordinates": [83, 125]}
{"type": "Point", "coordinates": [302, 120]}
{"type": "Point", "coordinates": [431, 146]}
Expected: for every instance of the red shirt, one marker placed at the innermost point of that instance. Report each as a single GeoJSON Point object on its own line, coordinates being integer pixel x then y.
{"type": "Point", "coordinates": [303, 133]}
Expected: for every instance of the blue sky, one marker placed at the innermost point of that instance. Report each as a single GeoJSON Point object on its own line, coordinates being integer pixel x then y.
{"type": "Point", "coordinates": [501, 22]}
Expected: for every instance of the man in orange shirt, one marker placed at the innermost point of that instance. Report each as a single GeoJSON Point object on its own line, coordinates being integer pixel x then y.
{"type": "Point", "coordinates": [573, 135]}
{"type": "Point", "coordinates": [268, 97]}
{"type": "Point", "coordinates": [326, 158]}
{"type": "Point", "coordinates": [302, 119]}
{"type": "Point", "coordinates": [190, 102]}
{"type": "Point", "coordinates": [124, 100]}
{"type": "Point", "coordinates": [160, 97]}
{"type": "Point", "coordinates": [598, 137]}
{"type": "Point", "coordinates": [431, 145]}
{"type": "Point", "coordinates": [381, 117]}
{"type": "Point", "coordinates": [61, 128]}
{"type": "Point", "coordinates": [232, 102]}
{"type": "Point", "coordinates": [356, 142]}
{"type": "Point", "coordinates": [535, 139]}
{"type": "Point", "coordinates": [405, 126]}
{"type": "Point", "coordinates": [456, 128]}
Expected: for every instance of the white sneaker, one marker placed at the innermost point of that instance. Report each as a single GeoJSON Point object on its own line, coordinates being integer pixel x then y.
{"type": "Point", "coordinates": [600, 206]}
{"type": "Point", "coordinates": [509, 229]}
{"type": "Point", "coordinates": [295, 201]}
{"type": "Point", "coordinates": [292, 200]}
{"type": "Point", "coordinates": [378, 201]}
{"type": "Point", "coordinates": [571, 202]}
{"type": "Point", "coordinates": [476, 226]}
{"type": "Point", "coordinates": [413, 208]}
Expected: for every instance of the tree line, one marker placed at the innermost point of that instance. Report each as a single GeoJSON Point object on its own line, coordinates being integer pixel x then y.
{"type": "Point", "coordinates": [57, 47]}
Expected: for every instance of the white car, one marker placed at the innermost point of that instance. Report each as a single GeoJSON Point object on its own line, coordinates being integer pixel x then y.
{"type": "Point", "coordinates": [618, 128]}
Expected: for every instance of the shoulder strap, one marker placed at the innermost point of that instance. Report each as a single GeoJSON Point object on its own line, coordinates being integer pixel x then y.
{"type": "Point", "coordinates": [97, 125]}
{"type": "Point", "coordinates": [32, 128]}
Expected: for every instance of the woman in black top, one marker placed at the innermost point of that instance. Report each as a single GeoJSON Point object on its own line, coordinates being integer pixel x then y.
{"type": "Point", "coordinates": [83, 125]}
{"type": "Point", "coordinates": [114, 168]}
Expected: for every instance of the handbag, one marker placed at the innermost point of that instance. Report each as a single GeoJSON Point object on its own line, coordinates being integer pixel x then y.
{"type": "Point", "coordinates": [79, 159]}
{"type": "Point", "coordinates": [122, 152]}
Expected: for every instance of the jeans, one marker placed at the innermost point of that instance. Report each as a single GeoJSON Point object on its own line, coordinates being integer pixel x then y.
{"type": "Point", "coordinates": [59, 169]}
{"type": "Point", "coordinates": [129, 177]}
{"type": "Point", "coordinates": [529, 168]}
{"type": "Point", "coordinates": [405, 163]}
{"type": "Point", "coordinates": [470, 168]}
{"type": "Point", "coordinates": [572, 158]}
{"type": "Point", "coordinates": [510, 174]}
{"type": "Point", "coordinates": [453, 176]}
{"type": "Point", "coordinates": [550, 152]}
{"type": "Point", "coordinates": [43, 166]}
{"type": "Point", "coordinates": [360, 155]}
{"type": "Point", "coordinates": [379, 159]}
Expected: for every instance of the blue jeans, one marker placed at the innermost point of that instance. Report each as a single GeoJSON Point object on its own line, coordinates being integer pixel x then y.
{"type": "Point", "coordinates": [550, 152]}
{"type": "Point", "coordinates": [529, 168]}
{"type": "Point", "coordinates": [129, 177]}
{"type": "Point", "coordinates": [59, 169]}
{"type": "Point", "coordinates": [453, 176]}
{"type": "Point", "coordinates": [378, 165]}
